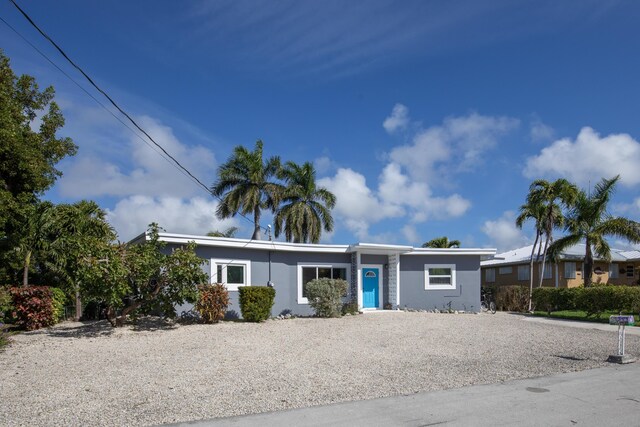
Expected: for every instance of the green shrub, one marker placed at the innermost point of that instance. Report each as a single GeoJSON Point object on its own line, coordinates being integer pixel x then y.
{"type": "Point", "coordinates": [32, 307]}
{"type": "Point", "coordinates": [58, 302]}
{"type": "Point", "coordinates": [6, 307]}
{"type": "Point", "coordinates": [212, 303]}
{"type": "Point", "coordinates": [256, 302]}
{"type": "Point", "coordinates": [325, 296]}
{"type": "Point", "coordinates": [593, 300]}
{"type": "Point", "coordinates": [350, 307]}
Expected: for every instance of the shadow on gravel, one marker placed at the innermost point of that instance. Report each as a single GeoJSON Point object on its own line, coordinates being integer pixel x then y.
{"type": "Point", "coordinates": [153, 324]}
{"type": "Point", "coordinates": [577, 359]}
{"type": "Point", "coordinates": [88, 329]}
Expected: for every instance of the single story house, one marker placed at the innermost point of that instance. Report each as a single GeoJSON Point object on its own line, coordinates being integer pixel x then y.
{"type": "Point", "coordinates": [379, 276]}
{"type": "Point", "coordinates": [513, 267]}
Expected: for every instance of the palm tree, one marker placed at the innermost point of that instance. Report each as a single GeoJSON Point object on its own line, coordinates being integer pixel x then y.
{"type": "Point", "coordinates": [229, 232]}
{"type": "Point", "coordinates": [532, 210]}
{"type": "Point", "coordinates": [589, 221]}
{"type": "Point", "coordinates": [37, 224]}
{"type": "Point", "coordinates": [244, 185]}
{"type": "Point", "coordinates": [307, 207]}
{"type": "Point", "coordinates": [441, 242]}
{"type": "Point", "coordinates": [548, 194]}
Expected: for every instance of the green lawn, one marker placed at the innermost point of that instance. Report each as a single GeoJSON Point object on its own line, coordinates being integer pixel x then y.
{"type": "Point", "coordinates": [582, 315]}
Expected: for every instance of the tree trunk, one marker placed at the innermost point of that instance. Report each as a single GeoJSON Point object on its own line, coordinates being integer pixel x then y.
{"type": "Point", "coordinates": [25, 272]}
{"type": "Point", "coordinates": [256, 220]}
{"type": "Point", "coordinates": [533, 250]}
{"type": "Point", "coordinates": [544, 260]}
{"type": "Point", "coordinates": [588, 265]}
{"type": "Point", "coordinates": [78, 304]}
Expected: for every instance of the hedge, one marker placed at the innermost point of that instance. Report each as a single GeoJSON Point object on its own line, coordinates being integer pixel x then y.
{"type": "Point", "coordinates": [593, 300]}
{"type": "Point", "coordinates": [256, 302]}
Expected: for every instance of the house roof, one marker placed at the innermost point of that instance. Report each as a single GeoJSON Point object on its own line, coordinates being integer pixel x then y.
{"type": "Point", "coordinates": [369, 248]}
{"type": "Point", "coordinates": [575, 252]}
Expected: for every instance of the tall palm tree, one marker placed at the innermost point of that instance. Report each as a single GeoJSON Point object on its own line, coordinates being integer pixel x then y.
{"type": "Point", "coordinates": [441, 242]}
{"type": "Point", "coordinates": [244, 185]}
{"type": "Point", "coordinates": [589, 221]}
{"type": "Point", "coordinates": [549, 194]}
{"type": "Point", "coordinates": [306, 207]}
{"type": "Point", "coordinates": [533, 209]}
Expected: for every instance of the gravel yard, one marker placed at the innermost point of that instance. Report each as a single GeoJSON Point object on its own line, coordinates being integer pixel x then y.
{"type": "Point", "coordinates": [77, 374]}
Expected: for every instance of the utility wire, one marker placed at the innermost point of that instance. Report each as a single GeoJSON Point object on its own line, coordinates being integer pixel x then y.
{"type": "Point", "coordinates": [123, 112]}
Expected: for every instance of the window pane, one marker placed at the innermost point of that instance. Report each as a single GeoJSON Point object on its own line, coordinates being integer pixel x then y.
{"type": "Point", "coordinates": [613, 271]}
{"type": "Point", "coordinates": [235, 274]}
{"type": "Point", "coordinates": [324, 272]}
{"type": "Point", "coordinates": [440, 280]}
{"type": "Point", "coordinates": [570, 270]}
{"type": "Point", "coordinates": [490, 275]}
{"type": "Point", "coordinates": [506, 270]}
{"type": "Point", "coordinates": [439, 272]}
{"type": "Point", "coordinates": [219, 278]}
{"type": "Point", "coordinates": [629, 270]}
{"type": "Point", "coordinates": [308, 274]}
{"type": "Point", "coordinates": [340, 273]}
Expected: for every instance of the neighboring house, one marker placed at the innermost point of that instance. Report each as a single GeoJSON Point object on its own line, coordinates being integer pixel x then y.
{"type": "Point", "coordinates": [512, 268]}
{"type": "Point", "coordinates": [378, 275]}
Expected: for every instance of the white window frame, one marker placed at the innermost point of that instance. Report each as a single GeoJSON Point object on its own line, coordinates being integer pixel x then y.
{"type": "Point", "coordinates": [614, 271]}
{"type": "Point", "coordinates": [527, 273]}
{"type": "Point", "coordinates": [490, 275]}
{"type": "Point", "coordinates": [567, 274]}
{"type": "Point", "coordinates": [301, 265]}
{"type": "Point", "coordinates": [505, 270]}
{"type": "Point", "coordinates": [439, 287]}
{"type": "Point", "coordinates": [235, 262]}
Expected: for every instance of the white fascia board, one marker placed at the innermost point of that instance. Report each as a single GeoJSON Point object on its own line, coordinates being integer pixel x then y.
{"type": "Point", "coordinates": [225, 242]}
{"type": "Point", "coordinates": [453, 251]}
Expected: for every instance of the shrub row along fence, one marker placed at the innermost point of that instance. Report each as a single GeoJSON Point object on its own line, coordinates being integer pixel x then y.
{"type": "Point", "coordinates": [594, 300]}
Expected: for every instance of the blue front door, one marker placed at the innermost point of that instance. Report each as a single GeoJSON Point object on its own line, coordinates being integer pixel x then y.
{"type": "Point", "coordinates": [370, 287]}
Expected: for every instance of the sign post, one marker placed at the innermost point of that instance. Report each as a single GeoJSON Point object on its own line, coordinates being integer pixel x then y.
{"type": "Point", "coordinates": [621, 321]}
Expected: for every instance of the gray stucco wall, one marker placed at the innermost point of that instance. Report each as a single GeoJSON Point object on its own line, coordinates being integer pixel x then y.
{"type": "Point", "coordinates": [466, 296]}
{"type": "Point", "coordinates": [284, 274]}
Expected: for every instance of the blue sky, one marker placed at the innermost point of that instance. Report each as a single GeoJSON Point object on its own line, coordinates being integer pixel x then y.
{"type": "Point", "coordinates": [426, 118]}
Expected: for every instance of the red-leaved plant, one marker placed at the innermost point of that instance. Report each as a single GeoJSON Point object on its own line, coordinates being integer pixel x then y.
{"type": "Point", "coordinates": [32, 307]}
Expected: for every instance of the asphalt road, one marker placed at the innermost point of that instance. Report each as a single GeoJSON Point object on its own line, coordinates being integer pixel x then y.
{"type": "Point", "coordinates": [607, 396]}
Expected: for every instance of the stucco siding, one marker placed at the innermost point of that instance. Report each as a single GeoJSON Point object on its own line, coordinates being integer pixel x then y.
{"type": "Point", "coordinates": [466, 295]}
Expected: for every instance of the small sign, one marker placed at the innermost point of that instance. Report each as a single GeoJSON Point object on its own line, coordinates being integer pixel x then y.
{"type": "Point", "coordinates": [622, 320]}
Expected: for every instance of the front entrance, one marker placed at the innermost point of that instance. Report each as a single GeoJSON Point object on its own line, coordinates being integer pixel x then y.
{"type": "Point", "coordinates": [371, 280]}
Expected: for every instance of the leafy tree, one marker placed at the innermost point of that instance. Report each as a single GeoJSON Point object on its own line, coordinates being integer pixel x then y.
{"type": "Point", "coordinates": [548, 194]}
{"type": "Point", "coordinates": [244, 183]}
{"type": "Point", "coordinates": [441, 242]}
{"type": "Point", "coordinates": [141, 278]}
{"type": "Point", "coordinates": [307, 207]}
{"type": "Point", "coordinates": [589, 221]}
{"type": "Point", "coordinates": [29, 152]}
{"type": "Point", "coordinates": [229, 232]}
{"type": "Point", "coordinates": [533, 209]}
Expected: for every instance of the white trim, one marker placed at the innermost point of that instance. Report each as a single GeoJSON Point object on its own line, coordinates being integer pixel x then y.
{"type": "Point", "coordinates": [359, 278]}
{"type": "Point", "coordinates": [398, 283]}
{"type": "Point", "coordinates": [301, 265]}
{"type": "Point", "coordinates": [429, 287]}
{"type": "Point", "coordinates": [380, 269]}
{"type": "Point", "coordinates": [213, 277]}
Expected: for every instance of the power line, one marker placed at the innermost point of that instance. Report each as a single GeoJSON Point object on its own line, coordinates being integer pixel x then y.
{"type": "Point", "coordinates": [122, 111]}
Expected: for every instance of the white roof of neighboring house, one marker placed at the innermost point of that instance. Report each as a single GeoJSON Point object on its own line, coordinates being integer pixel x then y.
{"type": "Point", "coordinates": [523, 255]}
{"type": "Point", "coordinates": [309, 247]}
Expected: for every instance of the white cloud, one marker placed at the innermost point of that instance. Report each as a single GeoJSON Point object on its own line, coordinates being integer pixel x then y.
{"type": "Point", "coordinates": [131, 215]}
{"type": "Point", "coordinates": [93, 175]}
{"type": "Point", "coordinates": [588, 158]}
{"type": "Point", "coordinates": [398, 120]}
{"type": "Point", "coordinates": [503, 232]}
{"type": "Point", "coordinates": [324, 165]}
{"type": "Point", "coordinates": [540, 132]}
{"type": "Point", "coordinates": [410, 234]}
{"type": "Point", "coordinates": [455, 146]}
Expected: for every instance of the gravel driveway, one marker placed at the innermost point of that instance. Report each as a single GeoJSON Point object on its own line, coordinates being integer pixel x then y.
{"type": "Point", "coordinates": [78, 374]}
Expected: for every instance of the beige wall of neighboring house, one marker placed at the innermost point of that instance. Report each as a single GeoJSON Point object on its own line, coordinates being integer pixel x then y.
{"type": "Point", "coordinates": [568, 273]}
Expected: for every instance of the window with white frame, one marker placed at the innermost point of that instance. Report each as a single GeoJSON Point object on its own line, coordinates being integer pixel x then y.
{"type": "Point", "coordinates": [231, 273]}
{"type": "Point", "coordinates": [613, 271]}
{"type": "Point", "coordinates": [569, 270]}
{"type": "Point", "coordinates": [440, 276]}
{"type": "Point", "coordinates": [523, 272]}
{"type": "Point", "coordinates": [505, 270]}
{"type": "Point", "coordinates": [309, 272]}
{"type": "Point", "coordinates": [490, 275]}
